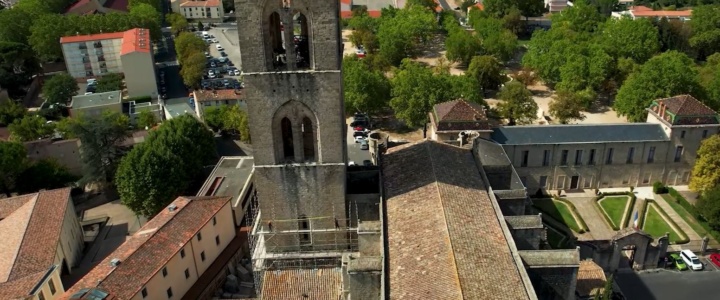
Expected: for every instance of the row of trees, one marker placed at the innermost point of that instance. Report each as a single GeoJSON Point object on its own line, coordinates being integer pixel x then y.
{"type": "Point", "coordinates": [584, 54]}
{"type": "Point", "coordinates": [190, 51]}
{"type": "Point", "coordinates": [20, 175]}
{"type": "Point", "coordinates": [165, 166]}
{"type": "Point", "coordinates": [229, 118]}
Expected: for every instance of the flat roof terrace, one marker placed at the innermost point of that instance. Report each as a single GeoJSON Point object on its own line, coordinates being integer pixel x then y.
{"type": "Point", "coordinates": [97, 99]}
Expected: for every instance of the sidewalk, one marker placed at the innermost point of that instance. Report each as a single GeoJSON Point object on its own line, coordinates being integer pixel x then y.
{"type": "Point", "coordinates": [692, 235]}
{"type": "Point", "coordinates": [599, 230]}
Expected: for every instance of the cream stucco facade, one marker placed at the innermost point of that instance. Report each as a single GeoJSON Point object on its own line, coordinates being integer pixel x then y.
{"type": "Point", "coordinates": [139, 70]}
{"type": "Point", "coordinates": [211, 10]}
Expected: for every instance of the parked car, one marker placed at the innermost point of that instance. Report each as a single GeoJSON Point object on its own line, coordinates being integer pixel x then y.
{"type": "Point", "coordinates": [223, 54]}
{"type": "Point", "coordinates": [691, 260]}
{"type": "Point", "coordinates": [213, 64]}
{"type": "Point", "coordinates": [359, 139]}
{"type": "Point", "coordinates": [351, 164]}
{"type": "Point", "coordinates": [367, 163]}
{"type": "Point", "coordinates": [360, 52]}
{"type": "Point", "coordinates": [219, 47]}
{"type": "Point", "coordinates": [364, 145]}
{"type": "Point", "coordinates": [678, 262]}
{"type": "Point", "coordinates": [715, 258]}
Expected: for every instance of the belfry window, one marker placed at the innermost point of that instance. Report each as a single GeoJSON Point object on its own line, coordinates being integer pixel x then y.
{"type": "Point", "coordinates": [304, 227]}
{"type": "Point", "coordinates": [308, 135]}
{"type": "Point", "coordinates": [301, 40]}
{"type": "Point", "coordinates": [287, 139]}
{"type": "Point", "coordinates": [277, 40]}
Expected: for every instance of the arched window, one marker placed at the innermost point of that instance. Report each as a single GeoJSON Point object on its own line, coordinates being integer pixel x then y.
{"type": "Point", "coordinates": [308, 135]}
{"type": "Point", "coordinates": [304, 226]}
{"type": "Point", "coordinates": [276, 40]}
{"type": "Point", "coordinates": [287, 139]}
{"type": "Point", "coordinates": [301, 40]}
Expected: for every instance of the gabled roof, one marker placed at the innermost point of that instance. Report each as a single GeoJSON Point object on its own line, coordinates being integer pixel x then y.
{"type": "Point", "coordinates": [459, 115]}
{"type": "Point", "coordinates": [135, 40]}
{"type": "Point", "coordinates": [686, 105]}
{"type": "Point", "coordinates": [576, 134]}
{"type": "Point", "coordinates": [148, 250]}
{"type": "Point", "coordinates": [219, 95]}
{"type": "Point", "coordinates": [590, 279]}
{"type": "Point", "coordinates": [320, 284]}
{"type": "Point", "coordinates": [91, 37]}
{"type": "Point", "coordinates": [436, 205]}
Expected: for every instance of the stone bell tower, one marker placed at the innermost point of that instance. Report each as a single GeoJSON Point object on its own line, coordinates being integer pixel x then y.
{"type": "Point", "coordinates": [291, 60]}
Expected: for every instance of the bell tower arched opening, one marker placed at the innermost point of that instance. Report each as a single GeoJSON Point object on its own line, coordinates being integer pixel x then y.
{"type": "Point", "coordinates": [277, 44]}
{"type": "Point", "coordinates": [309, 142]}
{"type": "Point", "coordinates": [287, 139]}
{"type": "Point", "coordinates": [301, 40]}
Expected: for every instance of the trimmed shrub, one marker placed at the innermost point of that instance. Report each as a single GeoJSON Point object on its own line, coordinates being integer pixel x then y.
{"type": "Point", "coordinates": [659, 188]}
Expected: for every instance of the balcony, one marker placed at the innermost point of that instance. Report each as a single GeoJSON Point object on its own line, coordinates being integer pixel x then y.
{"type": "Point", "coordinates": [101, 57]}
{"type": "Point", "coordinates": [99, 51]}
{"type": "Point", "coordinates": [97, 44]}
{"type": "Point", "coordinates": [82, 46]}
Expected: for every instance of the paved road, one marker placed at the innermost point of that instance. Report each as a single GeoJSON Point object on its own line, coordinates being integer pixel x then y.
{"type": "Point", "coordinates": [355, 154]}
{"type": "Point", "coordinates": [227, 35]}
{"type": "Point", "coordinates": [671, 285]}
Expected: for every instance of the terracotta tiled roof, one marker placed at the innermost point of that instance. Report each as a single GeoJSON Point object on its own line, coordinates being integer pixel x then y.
{"type": "Point", "coordinates": [135, 40]}
{"type": "Point", "coordinates": [91, 37]}
{"type": "Point", "coordinates": [39, 245]}
{"type": "Point", "coordinates": [590, 279]}
{"type": "Point", "coordinates": [436, 205]}
{"type": "Point", "coordinates": [121, 5]}
{"type": "Point", "coordinates": [16, 216]}
{"type": "Point", "coordinates": [20, 288]}
{"type": "Point", "coordinates": [459, 115]}
{"type": "Point", "coordinates": [348, 2]}
{"type": "Point", "coordinates": [209, 3]}
{"type": "Point", "coordinates": [317, 284]}
{"type": "Point", "coordinates": [148, 250]}
{"type": "Point", "coordinates": [219, 95]}
{"type": "Point", "coordinates": [644, 11]}
{"type": "Point", "coordinates": [686, 105]}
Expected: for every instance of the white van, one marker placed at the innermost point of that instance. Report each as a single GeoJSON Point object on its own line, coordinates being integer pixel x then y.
{"type": "Point", "coordinates": [691, 260]}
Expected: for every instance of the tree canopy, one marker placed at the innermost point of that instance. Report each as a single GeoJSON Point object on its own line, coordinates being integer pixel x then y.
{"type": "Point", "coordinates": [17, 65]}
{"type": "Point", "coordinates": [366, 90]}
{"type": "Point", "coordinates": [517, 104]}
{"type": "Point", "coordinates": [705, 23]}
{"type": "Point", "coordinates": [30, 128]}
{"type": "Point", "coordinates": [60, 88]}
{"type": "Point", "coordinates": [488, 72]}
{"type": "Point", "coordinates": [637, 39]}
{"type": "Point", "coordinates": [709, 207]}
{"type": "Point", "coordinates": [399, 35]}
{"type": "Point", "coordinates": [568, 105]}
{"type": "Point", "coordinates": [705, 175]}
{"type": "Point", "coordinates": [665, 75]}
{"type": "Point", "coordinates": [13, 160]}
{"type": "Point", "coordinates": [11, 111]}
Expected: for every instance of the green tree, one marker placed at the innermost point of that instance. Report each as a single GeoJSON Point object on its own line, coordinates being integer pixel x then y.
{"type": "Point", "coordinates": [214, 115]}
{"type": "Point", "coordinates": [193, 69]}
{"type": "Point", "coordinates": [517, 104]}
{"type": "Point", "coordinates": [415, 89]}
{"type": "Point", "coordinates": [568, 105]}
{"type": "Point", "coordinates": [365, 90]}
{"type": "Point", "coordinates": [187, 44]}
{"type": "Point", "coordinates": [146, 119]}
{"type": "Point", "coordinates": [30, 128]}
{"type": "Point", "coordinates": [236, 119]}
{"type": "Point", "coordinates": [10, 111]}
{"type": "Point", "coordinates": [587, 69]}
{"type": "Point", "coordinates": [496, 40]}
{"type": "Point", "coordinates": [709, 206]}
{"type": "Point", "coordinates": [146, 16]}
{"type": "Point", "coordinates": [513, 21]}
{"type": "Point", "coordinates": [607, 290]}
{"type": "Point", "coordinates": [45, 33]}
{"type": "Point", "coordinates": [100, 143]}
{"type": "Point", "coordinates": [461, 46]}
{"type": "Point", "coordinates": [497, 8]}
{"type": "Point", "coordinates": [399, 35]}
{"type": "Point", "coordinates": [704, 174]}
{"type": "Point", "coordinates": [17, 65]}
{"type": "Point", "coordinates": [675, 35]}
{"type": "Point", "coordinates": [581, 17]}
{"type": "Point", "coordinates": [488, 72]}
{"type": "Point", "coordinates": [429, 4]}
{"type": "Point", "coordinates": [530, 8]}
{"type": "Point", "coordinates": [665, 75]}
{"type": "Point", "coordinates": [605, 7]}
{"type": "Point", "coordinates": [710, 79]}
{"type": "Point", "coordinates": [60, 88]}
{"type": "Point", "coordinates": [44, 174]}
{"type": "Point", "coordinates": [154, 3]}
{"type": "Point", "coordinates": [200, 25]}
{"type": "Point", "coordinates": [13, 161]}
{"type": "Point", "coordinates": [625, 37]}
{"type": "Point", "coordinates": [177, 22]}
{"type": "Point", "coordinates": [15, 26]}
{"type": "Point", "coordinates": [705, 23]}
{"type": "Point", "coordinates": [109, 83]}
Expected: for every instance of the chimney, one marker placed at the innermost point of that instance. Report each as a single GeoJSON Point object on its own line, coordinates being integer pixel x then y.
{"type": "Point", "coordinates": [172, 207]}
{"type": "Point", "coordinates": [662, 110]}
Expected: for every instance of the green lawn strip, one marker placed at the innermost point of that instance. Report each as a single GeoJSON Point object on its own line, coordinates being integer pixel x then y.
{"type": "Point", "coordinates": [558, 211]}
{"type": "Point", "coordinates": [685, 215]}
{"type": "Point", "coordinates": [615, 207]}
{"type": "Point", "coordinates": [656, 226]}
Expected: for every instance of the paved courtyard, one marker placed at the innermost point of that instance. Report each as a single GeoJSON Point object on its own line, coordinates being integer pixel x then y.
{"type": "Point", "coordinates": [671, 284]}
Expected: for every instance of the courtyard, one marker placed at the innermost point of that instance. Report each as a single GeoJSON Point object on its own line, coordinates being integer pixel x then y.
{"type": "Point", "coordinates": [617, 209]}
{"type": "Point", "coordinates": [656, 223]}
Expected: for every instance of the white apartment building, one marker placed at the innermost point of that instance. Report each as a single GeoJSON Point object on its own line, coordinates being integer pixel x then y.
{"type": "Point", "coordinates": [211, 10]}
{"type": "Point", "coordinates": [128, 52]}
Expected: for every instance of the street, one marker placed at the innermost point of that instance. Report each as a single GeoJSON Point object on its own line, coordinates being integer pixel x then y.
{"type": "Point", "coordinates": [354, 153]}
{"type": "Point", "coordinates": [670, 284]}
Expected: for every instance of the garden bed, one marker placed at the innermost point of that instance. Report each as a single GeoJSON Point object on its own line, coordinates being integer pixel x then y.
{"type": "Point", "coordinates": [561, 212]}
{"type": "Point", "coordinates": [656, 223]}
{"type": "Point", "coordinates": [616, 210]}
{"type": "Point", "coordinates": [556, 239]}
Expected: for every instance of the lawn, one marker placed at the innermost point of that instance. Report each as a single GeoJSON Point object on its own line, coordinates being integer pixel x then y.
{"type": "Point", "coordinates": [685, 215]}
{"type": "Point", "coordinates": [556, 239]}
{"type": "Point", "coordinates": [655, 226]}
{"type": "Point", "coordinates": [558, 211]}
{"type": "Point", "coordinates": [614, 208]}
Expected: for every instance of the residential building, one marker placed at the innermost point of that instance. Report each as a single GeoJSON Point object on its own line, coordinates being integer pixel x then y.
{"type": "Point", "coordinates": [90, 7]}
{"type": "Point", "coordinates": [128, 52]}
{"type": "Point", "coordinates": [560, 157]}
{"type": "Point", "coordinates": [452, 120]}
{"type": "Point", "coordinates": [95, 104]}
{"type": "Point", "coordinates": [374, 7]}
{"type": "Point", "coordinates": [640, 11]}
{"type": "Point", "coordinates": [176, 108]}
{"type": "Point", "coordinates": [216, 98]}
{"type": "Point", "coordinates": [64, 152]}
{"type": "Point", "coordinates": [166, 256]}
{"type": "Point", "coordinates": [134, 109]}
{"type": "Point", "coordinates": [233, 177]}
{"type": "Point", "coordinates": [555, 6]}
{"type": "Point", "coordinates": [41, 239]}
{"type": "Point", "coordinates": [206, 11]}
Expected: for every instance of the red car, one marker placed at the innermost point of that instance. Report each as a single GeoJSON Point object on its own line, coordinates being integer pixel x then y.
{"type": "Point", "coordinates": [715, 258]}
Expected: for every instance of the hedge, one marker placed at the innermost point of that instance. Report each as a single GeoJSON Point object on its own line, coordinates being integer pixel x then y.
{"type": "Point", "coordinates": [576, 215]}
{"type": "Point", "coordinates": [139, 99]}
{"type": "Point", "coordinates": [679, 199]}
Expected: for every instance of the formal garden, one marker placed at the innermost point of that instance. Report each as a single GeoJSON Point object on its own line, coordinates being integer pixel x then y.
{"type": "Point", "coordinates": [656, 223]}
{"type": "Point", "coordinates": [616, 209]}
{"type": "Point", "coordinates": [561, 211]}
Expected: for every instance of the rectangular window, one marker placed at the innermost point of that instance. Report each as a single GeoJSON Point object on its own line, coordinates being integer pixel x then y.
{"type": "Point", "coordinates": [543, 181]}
{"type": "Point", "coordinates": [52, 287]}
{"type": "Point", "coordinates": [41, 296]}
{"type": "Point", "coordinates": [588, 182]}
{"type": "Point", "coordinates": [578, 157]}
{"type": "Point", "coordinates": [182, 253]}
{"type": "Point", "coordinates": [631, 153]}
{"type": "Point", "coordinates": [682, 134]}
{"type": "Point", "coordinates": [546, 158]}
{"type": "Point", "coordinates": [214, 221]}
{"type": "Point", "coordinates": [199, 236]}
{"type": "Point", "coordinates": [609, 159]}
{"type": "Point", "coordinates": [560, 182]}
{"type": "Point", "coordinates": [187, 273]}
{"type": "Point", "coordinates": [144, 292]}
{"type": "Point", "coordinates": [678, 153]}
{"type": "Point", "coordinates": [217, 240]}
{"type": "Point", "coordinates": [651, 155]}
{"type": "Point", "coordinates": [646, 178]}
{"type": "Point", "coordinates": [705, 132]}
{"type": "Point", "coordinates": [524, 161]}
{"type": "Point", "coordinates": [202, 256]}
{"type": "Point", "coordinates": [563, 159]}
{"type": "Point", "coordinates": [169, 293]}
{"type": "Point", "coordinates": [626, 180]}
{"type": "Point", "coordinates": [164, 272]}
{"type": "Point", "coordinates": [591, 158]}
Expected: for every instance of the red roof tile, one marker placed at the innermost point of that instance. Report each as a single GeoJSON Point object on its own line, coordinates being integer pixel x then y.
{"type": "Point", "coordinates": [91, 37]}
{"type": "Point", "coordinates": [135, 40]}
{"type": "Point", "coordinates": [644, 11]}
{"type": "Point", "coordinates": [20, 288]}
{"type": "Point", "coordinates": [319, 284]}
{"type": "Point", "coordinates": [686, 105]}
{"type": "Point", "coordinates": [219, 95]}
{"type": "Point", "coordinates": [148, 250]}
{"type": "Point", "coordinates": [459, 115]}
{"type": "Point", "coordinates": [348, 2]}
